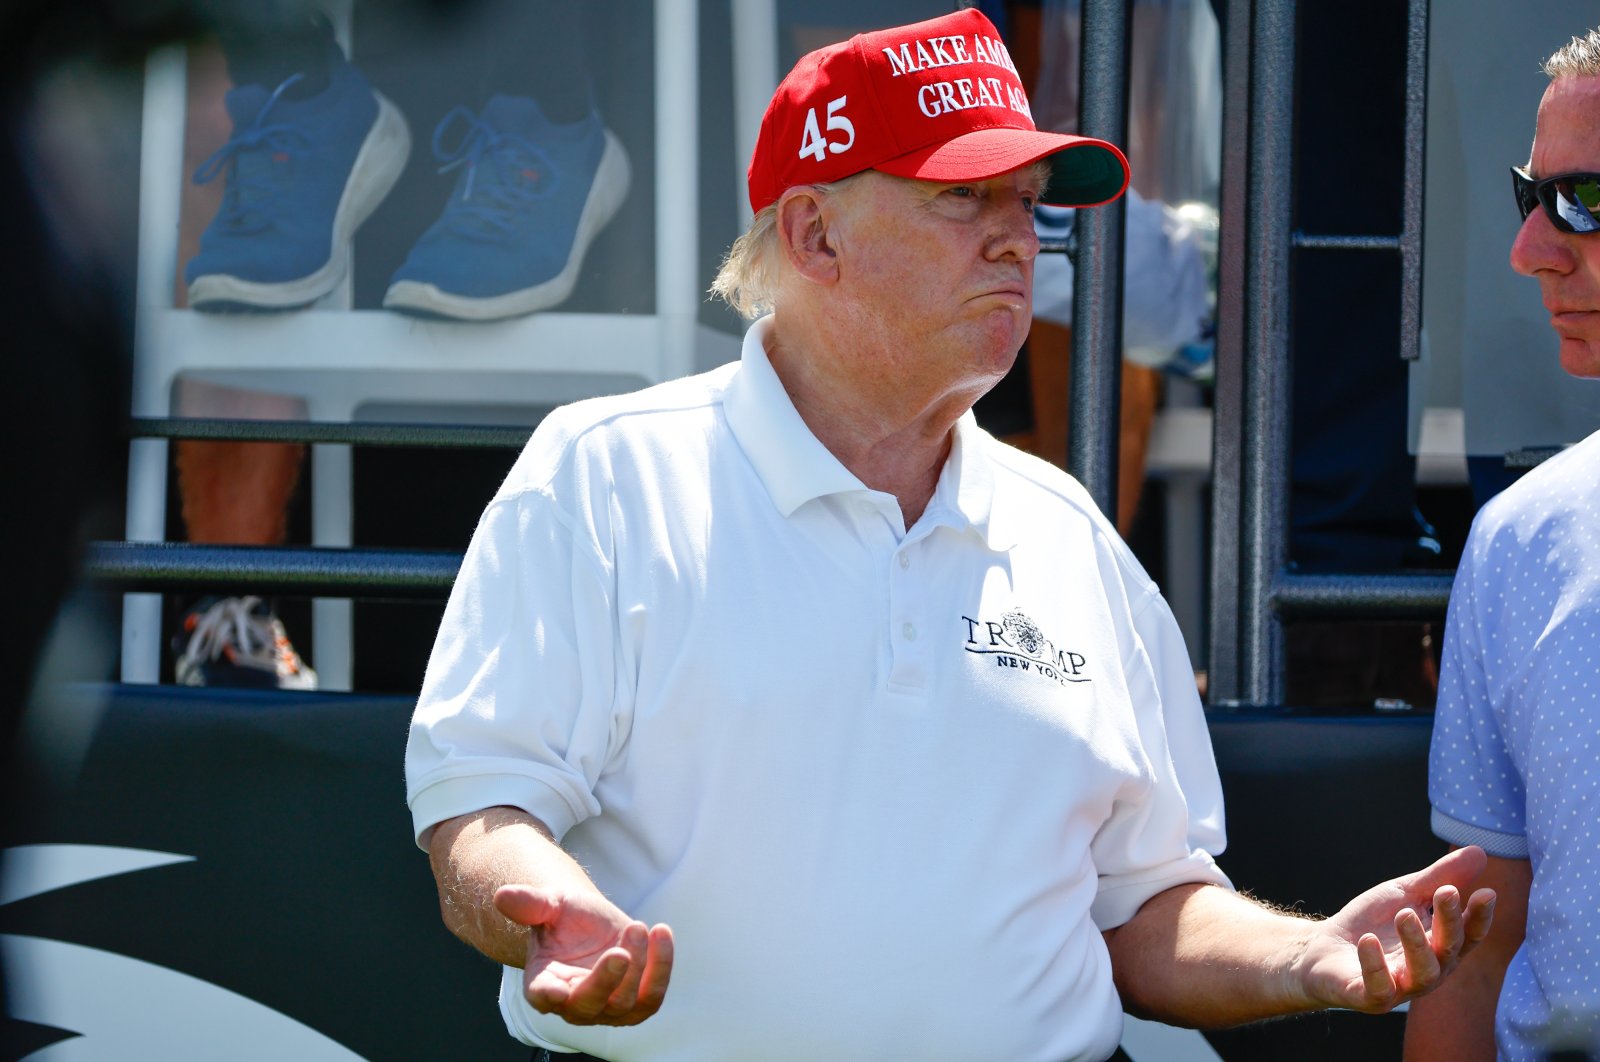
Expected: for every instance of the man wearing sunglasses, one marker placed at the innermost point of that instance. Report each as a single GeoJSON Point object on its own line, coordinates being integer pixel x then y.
{"type": "Point", "coordinates": [1515, 765]}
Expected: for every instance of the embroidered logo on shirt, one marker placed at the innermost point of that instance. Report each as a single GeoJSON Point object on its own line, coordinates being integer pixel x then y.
{"type": "Point", "coordinates": [1016, 641]}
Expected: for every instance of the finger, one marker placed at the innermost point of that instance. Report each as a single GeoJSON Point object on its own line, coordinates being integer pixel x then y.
{"type": "Point", "coordinates": [525, 904]}
{"type": "Point", "coordinates": [1458, 867]}
{"type": "Point", "coordinates": [635, 941]}
{"type": "Point", "coordinates": [1479, 918]}
{"type": "Point", "coordinates": [587, 1000]}
{"type": "Point", "coordinates": [1375, 977]}
{"type": "Point", "coordinates": [548, 987]}
{"type": "Point", "coordinates": [657, 972]}
{"type": "Point", "coordinates": [1422, 965]}
{"type": "Point", "coordinates": [1448, 932]}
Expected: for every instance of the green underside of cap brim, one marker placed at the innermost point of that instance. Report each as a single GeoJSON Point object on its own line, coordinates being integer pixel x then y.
{"type": "Point", "coordinates": [1084, 176]}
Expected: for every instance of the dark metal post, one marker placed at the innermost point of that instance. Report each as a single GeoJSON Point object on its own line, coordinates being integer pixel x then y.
{"type": "Point", "coordinates": [1227, 436]}
{"type": "Point", "coordinates": [1264, 494]}
{"type": "Point", "coordinates": [1411, 225]}
{"type": "Point", "coordinates": [1097, 291]}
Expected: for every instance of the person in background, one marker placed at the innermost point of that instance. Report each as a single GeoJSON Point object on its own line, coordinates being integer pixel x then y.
{"type": "Point", "coordinates": [1515, 763]}
{"type": "Point", "coordinates": [313, 148]}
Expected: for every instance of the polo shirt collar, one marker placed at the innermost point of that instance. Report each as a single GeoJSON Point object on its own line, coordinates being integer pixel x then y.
{"type": "Point", "coordinates": [965, 495]}
{"type": "Point", "coordinates": [795, 467]}
{"type": "Point", "coordinates": [792, 462]}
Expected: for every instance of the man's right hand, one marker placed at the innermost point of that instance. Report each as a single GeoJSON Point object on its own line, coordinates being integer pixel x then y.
{"type": "Point", "coordinates": [588, 963]}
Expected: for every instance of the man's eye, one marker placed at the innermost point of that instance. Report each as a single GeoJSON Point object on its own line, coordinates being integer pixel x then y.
{"type": "Point", "coordinates": [964, 191]}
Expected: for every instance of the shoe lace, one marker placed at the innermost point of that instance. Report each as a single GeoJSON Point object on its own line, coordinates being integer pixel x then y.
{"type": "Point", "coordinates": [239, 628]}
{"type": "Point", "coordinates": [255, 159]}
{"type": "Point", "coordinates": [505, 173]}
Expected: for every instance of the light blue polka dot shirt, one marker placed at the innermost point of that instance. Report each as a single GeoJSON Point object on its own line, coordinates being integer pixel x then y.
{"type": "Point", "coordinates": [1515, 763]}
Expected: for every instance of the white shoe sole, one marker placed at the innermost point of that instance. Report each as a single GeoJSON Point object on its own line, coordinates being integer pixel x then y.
{"type": "Point", "coordinates": [611, 180]}
{"type": "Point", "coordinates": [378, 166]}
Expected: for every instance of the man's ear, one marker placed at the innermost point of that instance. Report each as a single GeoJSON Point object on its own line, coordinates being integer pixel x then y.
{"type": "Point", "coordinates": [803, 227]}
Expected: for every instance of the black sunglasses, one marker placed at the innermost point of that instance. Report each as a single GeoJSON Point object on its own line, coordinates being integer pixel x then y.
{"type": "Point", "coordinates": [1571, 200]}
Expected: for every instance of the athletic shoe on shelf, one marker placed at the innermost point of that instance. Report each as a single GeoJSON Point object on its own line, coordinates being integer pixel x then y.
{"type": "Point", "coordinates": [238, 642]}
{"type": "Point", "coordinates": [529, 197]}
{"type": "Point", "coordinates": [301, 174]}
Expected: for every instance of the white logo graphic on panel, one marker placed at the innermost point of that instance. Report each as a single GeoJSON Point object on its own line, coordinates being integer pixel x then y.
{"type": "Point", "coordinates": [124, 1008]}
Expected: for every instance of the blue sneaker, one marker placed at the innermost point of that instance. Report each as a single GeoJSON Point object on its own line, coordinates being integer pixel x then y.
{"type": "Point", "coordinates": [302, 174]}
{"type": "Point", "coordinates": [529, 198]}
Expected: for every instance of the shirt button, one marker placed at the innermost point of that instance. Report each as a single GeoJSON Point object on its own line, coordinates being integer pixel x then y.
{"type": "Point", "coordinates": [909, 631]}
{"type": "Point", "coordinates": [905, 560]}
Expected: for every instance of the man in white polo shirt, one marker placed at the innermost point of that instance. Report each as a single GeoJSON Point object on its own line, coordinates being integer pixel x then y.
{"type": "Point", "coordinates": [877, 714]}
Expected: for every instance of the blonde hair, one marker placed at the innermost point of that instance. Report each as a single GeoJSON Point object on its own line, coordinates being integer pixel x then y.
{"type": "Point", "coordinates": [1579, 57]}
{"type": "Point", "coordinates": [748, 279]}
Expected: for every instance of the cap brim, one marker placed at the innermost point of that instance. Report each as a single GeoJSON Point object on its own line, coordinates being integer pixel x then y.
{"type": "Point", "coordinates": [1084, 171]}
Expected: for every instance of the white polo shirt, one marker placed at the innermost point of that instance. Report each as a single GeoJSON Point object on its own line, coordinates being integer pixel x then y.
{"type": "Point", "coordinates": [886, 785]}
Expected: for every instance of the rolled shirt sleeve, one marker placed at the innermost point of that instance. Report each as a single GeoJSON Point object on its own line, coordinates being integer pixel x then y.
{"type": "Point", "coordinates": [1170, 835]}
{"type": "Point", "coordinates": [518, 706]}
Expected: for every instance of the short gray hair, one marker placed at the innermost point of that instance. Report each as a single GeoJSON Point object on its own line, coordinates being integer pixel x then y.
{"type": "Point", "coordinates": [748, 279]}
{"type": "Point", "coordinates": [1579, 57]}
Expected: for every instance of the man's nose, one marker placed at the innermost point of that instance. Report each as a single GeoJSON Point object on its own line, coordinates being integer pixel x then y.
{"type": "Point", "coordinates": [1014, 235]}
{"type": "Point", "coordinates": [1540, 246]}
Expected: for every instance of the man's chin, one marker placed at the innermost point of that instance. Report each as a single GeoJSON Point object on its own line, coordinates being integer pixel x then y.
{"type": "Point", "coordinates": [1581, 357]}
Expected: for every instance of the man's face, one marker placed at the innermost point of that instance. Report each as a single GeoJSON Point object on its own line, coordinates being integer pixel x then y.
{"type": "Point", "coordinates": [938, 278]}
{"type": "Point", "coordinates": [1566, 265]}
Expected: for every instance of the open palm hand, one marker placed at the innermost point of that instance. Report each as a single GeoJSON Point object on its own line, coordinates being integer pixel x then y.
{"type": "Point", "coordinates": [1399, 939]}
{"type": "Point", "coordinates": [588, 963]}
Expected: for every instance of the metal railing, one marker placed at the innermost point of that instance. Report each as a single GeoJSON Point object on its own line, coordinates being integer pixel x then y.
{"type": "Point", "coordinates": [310, 571]}
{"type": "Point", "coordinates": [434, 436]}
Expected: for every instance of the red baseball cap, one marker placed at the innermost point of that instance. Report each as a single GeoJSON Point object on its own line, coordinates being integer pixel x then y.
{"type": "Point", "coordinates": [938, 100]}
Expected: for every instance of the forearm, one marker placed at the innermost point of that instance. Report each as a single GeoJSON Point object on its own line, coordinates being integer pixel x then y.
{"type": "Point", "coordinates": [1204, 957]}
{"type": "Point", "coordinates": [1455, 1022]}
{"type": "Point", "coordinates": [474, 855]}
